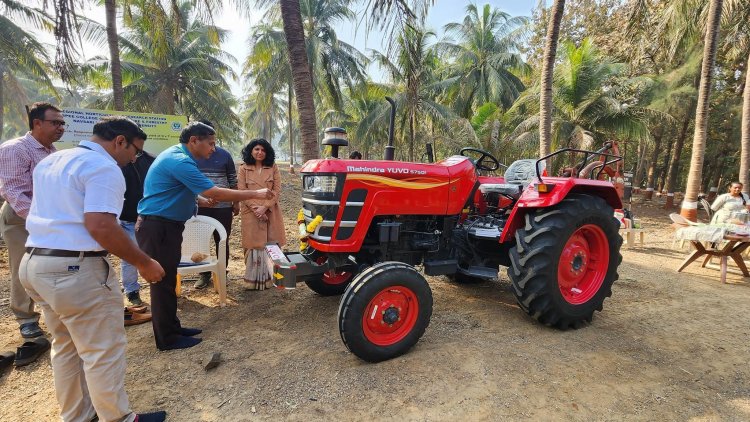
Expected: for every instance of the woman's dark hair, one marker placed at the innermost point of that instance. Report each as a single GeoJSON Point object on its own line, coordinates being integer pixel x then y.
{"type": "Point", "coordinates": [247, 152]}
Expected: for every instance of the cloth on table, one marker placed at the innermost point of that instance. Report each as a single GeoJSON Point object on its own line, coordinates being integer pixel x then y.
{"type": "Point", "coordinates": [707, 233]}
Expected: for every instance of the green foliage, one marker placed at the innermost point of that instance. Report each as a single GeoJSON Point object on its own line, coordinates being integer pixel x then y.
{"type": "Point", "coordinates": [589, 103]}
{"type": "Point", "coordinates": [482, 114]}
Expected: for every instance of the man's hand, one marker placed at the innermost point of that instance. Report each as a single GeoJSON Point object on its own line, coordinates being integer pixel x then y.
{"type": "Point", "coordinates": [235, 208]}
{"type": "Point", "coordinates": [264, 193]}
{"type": "Point", "coordinates": [151, 271]}
{"type": "Point", "coordinates": [206, 202]}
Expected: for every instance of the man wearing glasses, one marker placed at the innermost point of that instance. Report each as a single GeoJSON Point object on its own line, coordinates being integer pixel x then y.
{"type": "Point", "coordinates": [18, 157]}
{"type": "Point", "coordinates": [72, 224]}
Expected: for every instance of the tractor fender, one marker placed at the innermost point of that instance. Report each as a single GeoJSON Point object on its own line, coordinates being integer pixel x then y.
{"type": "Point", "coordinates": [563, 186]}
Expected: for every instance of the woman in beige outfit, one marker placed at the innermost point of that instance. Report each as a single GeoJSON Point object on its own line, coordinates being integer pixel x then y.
{"type": "Point", "coordinates": [262, 221]}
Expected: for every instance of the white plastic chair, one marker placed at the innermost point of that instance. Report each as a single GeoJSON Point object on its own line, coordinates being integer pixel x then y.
{"type": "Point", "coordinates": [682, 221]}
{"type": "Point", "coordinates": [198, 237]}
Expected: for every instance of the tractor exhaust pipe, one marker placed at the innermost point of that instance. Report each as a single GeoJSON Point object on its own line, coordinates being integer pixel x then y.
{"type": "Point", "coordinates": [390, 150]}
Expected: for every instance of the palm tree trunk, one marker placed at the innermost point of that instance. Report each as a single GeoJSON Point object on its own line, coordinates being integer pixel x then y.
{"type": "Point", "coordinates": [745, 135]}
{"type": "Point", "coordinates": [495, 136]}
{"type": "Point", "coordinates": [662, 179]}
{"type": "Point", "coordinates": [411, 136]}
{"type": "Point", "coordinates": [652, 167]}
{"type": "Point", "coordinates": [640, 166]}
{"type": "Point", "coordinates": [690, 203]}
{"type": "Point", "coordinates": [295, 41]}
{"type": "Point", "coordinates": [289, 126]}
{"type": "Point", "coordinates": [548, 65]}
{"type": "Point", "coordinates": [114, 54]}
{"type": "Point", "coordinates": [674, 165]}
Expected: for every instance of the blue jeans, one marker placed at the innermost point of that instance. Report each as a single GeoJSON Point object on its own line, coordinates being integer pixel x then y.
{"type": "Point", "coordinates": [128, 273]}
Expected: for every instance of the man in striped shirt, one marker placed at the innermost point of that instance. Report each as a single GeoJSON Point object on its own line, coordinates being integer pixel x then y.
{"type": "Point", "coordinates": [221, 170]}
{"type": "Point", "coordinates": [18, 158]}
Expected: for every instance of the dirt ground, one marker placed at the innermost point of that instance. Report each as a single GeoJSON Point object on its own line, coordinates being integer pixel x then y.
{"type": "Point", "coordinates": [667, 346]}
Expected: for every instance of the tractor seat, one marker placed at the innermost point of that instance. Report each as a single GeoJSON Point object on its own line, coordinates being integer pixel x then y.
{"type": "Point", "coordinates": [520, 172]}
{"type": "Point", "coordinates": [507, 189]}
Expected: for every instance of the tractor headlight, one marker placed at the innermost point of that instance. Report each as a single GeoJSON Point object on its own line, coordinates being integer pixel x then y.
{"type": "Point", "coordinates": [319, 184]}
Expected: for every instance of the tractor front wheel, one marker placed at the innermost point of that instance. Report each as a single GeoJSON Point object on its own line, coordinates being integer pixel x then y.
{"type": "Point", "coordinates": [385, 311]}
{"type": "Point", "coordinates": [565, 261]}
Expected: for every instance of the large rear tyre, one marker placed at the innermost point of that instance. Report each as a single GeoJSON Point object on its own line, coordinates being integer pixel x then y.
{"type": "Point", "coordinates": [385, 311]}
{"type": "Point", "coordinates": [565, 261]}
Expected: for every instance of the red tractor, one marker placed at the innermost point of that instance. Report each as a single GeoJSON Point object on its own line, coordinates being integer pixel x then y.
{"type": "Point", "coordinates": [369, 224]}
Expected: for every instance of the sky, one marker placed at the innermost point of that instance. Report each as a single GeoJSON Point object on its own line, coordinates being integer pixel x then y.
{"type": "Point", "coordinates": [443, 12]}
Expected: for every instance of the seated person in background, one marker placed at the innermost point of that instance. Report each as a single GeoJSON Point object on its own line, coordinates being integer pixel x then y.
{"type": "Point", "coordinates": [355, 155]}
{"type": "Point", "coordinates": [727, 203]}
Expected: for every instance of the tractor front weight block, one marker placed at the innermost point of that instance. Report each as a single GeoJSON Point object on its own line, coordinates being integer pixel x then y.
{"type": "Point", "coordinates": [290, 267]}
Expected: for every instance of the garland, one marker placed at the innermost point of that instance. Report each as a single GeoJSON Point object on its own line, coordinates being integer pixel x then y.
{"type": "Point", "coordinates": [306, 231]}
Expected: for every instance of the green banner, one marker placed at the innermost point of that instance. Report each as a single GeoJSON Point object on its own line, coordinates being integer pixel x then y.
{"type": "Point", "coordinates": [163, 130]}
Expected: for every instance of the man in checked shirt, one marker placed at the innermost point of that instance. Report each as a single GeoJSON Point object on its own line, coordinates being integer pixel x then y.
{"type": "Point", "coordinates": [18, 157]}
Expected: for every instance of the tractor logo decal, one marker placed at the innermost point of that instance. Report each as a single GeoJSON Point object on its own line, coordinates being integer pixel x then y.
{"type": "Point", "coordinates": [409, 183]}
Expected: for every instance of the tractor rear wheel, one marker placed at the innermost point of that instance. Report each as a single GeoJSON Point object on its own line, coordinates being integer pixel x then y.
{"type": "Point", "coordinates": [565, 261]}
{"type": "Point", "coordinates": [385, 311]}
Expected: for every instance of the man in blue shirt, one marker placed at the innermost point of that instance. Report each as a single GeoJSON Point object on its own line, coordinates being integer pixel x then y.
{"type": "Point", "coordinates": [172, 186]}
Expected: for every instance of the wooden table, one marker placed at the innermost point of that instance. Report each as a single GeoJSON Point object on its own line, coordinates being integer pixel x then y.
{"type": "Point", "coordinates": [733, 249]}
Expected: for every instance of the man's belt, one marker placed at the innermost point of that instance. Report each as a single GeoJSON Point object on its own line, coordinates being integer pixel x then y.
{"type": "Point", "coordinates": [62, 253]}
{"type": "Point", "coordinates": [157, 218]}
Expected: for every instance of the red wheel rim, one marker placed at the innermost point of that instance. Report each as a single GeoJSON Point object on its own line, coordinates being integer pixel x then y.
{"type": "Point", "coordinates": [583, 264]}
{"type": "Point", "coordinates": [390, 316]}
{"type": "Point", "coordinates": [333, 277]}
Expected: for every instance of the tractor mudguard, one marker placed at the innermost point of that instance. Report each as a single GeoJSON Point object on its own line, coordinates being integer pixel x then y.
{"type": "Point", "coordinates": [559, 189]}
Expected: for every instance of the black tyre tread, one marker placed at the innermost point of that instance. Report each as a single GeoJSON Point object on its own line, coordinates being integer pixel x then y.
{"type": "Point", "coordinates": [324, 289]}
{"type": "Point", "coordinates": [352, 334]}
{"type": "Point", "coordinates": [533, 270]}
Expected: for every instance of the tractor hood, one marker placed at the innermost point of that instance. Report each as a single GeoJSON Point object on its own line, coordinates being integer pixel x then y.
{"type": "Point", "coordinates": [440, 188]}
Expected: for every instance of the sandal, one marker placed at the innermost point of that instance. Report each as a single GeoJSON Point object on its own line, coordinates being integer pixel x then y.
{"type": "Point", "coordinates": [140, 309]}
{"type": "Point", "coordinates": [135, 318]}
{"type": "Point", "coordinates": [31, 350]}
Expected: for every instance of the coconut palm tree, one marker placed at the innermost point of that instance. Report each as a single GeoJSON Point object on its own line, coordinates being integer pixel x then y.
{"type": "Point", "coordinates": [178, 66]}
{"type": "Point", "coordinates": [333, 63]}
{"type": "Point", "coordinates": [588, 103]}
{"type": "Point", "coordinates": [737, 46]}
{"type": "Point", "coordinates": [267, 68]}
{"type": "Point", "coordinates": [690, 203]}
{"type": "Point", "coordinates": [22, 57]}
{"type": "Point", "coordinates": [548, 65]}
{"type": "Point", "coordinates": [486, 58]}
{"type": "Point", "coordinates": [413, 80]}
{"type": "Point", "coordinates": [301, 76]}
{"type": "Point", "coordinates": [382, 12]}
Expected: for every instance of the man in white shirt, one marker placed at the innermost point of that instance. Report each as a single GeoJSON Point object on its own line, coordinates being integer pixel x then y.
{"type": "Point", "coordinates": [72, 224]}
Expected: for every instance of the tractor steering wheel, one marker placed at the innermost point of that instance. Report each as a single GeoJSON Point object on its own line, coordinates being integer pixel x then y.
{"type": "Point", "coordinates": [494, 164]}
